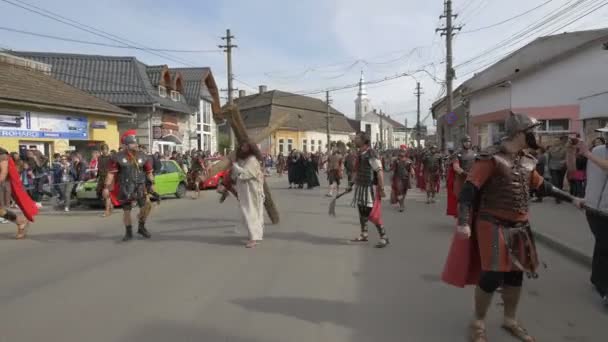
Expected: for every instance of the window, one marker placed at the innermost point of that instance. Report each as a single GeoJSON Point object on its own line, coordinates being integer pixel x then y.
{"type": "Point", "coordinates": [289, 145]}
{"type": "Point", "coordinates": [312, 146]}
{"type": "Point", "coordinates": [482, 136]}
{"type": "Point", "coordinates": [320, 143]}
{"type": "Point", "coordinates": [162, 91]}
{"type": "Point", "coordinates": [175, 96]}
{"type": "Point", "coordinates": [281, 147]}
{"type": "Point", "coordinates": [554, 125]}
{"type": "Point", "coordinates": [304, 146]}
{"type": "Point", "coordinates": [206, 117]}
{"type": "Point", "coordinates": [169, 167]}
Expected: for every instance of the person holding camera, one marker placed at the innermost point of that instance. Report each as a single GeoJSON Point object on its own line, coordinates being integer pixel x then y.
{"type": "Point", "coordinates": [596, 197]}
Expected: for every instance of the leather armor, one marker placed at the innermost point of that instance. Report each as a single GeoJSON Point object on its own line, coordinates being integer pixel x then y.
{"type": "Point", "coordinates": [131, 175]}
{"type": "Point", "coordinates": [402, 169]}
{"type": "Point", "coordinates": [432, 162]}
{"type": "Point", "coordinates": [365, 174]}
{"type": "Point", "coordinates": [509, 187]}
{"type": "Point", "coordinates": [466, 158]}
{"type": "Point", "coordinates": [334, 161]}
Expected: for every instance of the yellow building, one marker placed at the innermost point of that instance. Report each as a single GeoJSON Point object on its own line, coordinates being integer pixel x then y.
{"type": "Point", "coordinates": [300, 122]}
{"type": "Point", "coordinates": [39, 111]}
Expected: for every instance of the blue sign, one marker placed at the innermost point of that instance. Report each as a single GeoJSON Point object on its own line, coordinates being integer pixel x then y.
{"type": "Point", "coordinates": [44, 125]}
{"type": "Point", "coordinates": [451, 118]}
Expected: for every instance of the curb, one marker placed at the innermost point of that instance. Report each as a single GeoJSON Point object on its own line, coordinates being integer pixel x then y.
{"type": "Point", "coordinates": [571, 253]}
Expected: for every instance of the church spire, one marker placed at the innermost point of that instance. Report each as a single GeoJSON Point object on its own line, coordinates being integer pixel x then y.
{"type": "Point", "coordinates": [362, 89]}
{"type": "Point", "coordinates": [362, 103]}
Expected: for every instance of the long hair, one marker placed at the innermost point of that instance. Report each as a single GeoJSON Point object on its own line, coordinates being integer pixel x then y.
{"type": "Point", "coordinates": [240, 155]}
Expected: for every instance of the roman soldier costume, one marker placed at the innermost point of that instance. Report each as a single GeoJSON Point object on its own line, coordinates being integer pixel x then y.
{"type": "Point", "coordinates": [334, 172]}
{"type": "Point", "coordinates": [461, 163]}
{"type": "Point", "coordinates": [131, 169]}
{"type": "Point", "coordinates": [402, 168]}
{"type": "Point", "coordinates": [432, 168]}
{"type": "Point", "coordinates": [493, 210]}
{"type": "Point", "coordinates": [366, 193]}
{"type": "Point", "coordinates": [19, 195]}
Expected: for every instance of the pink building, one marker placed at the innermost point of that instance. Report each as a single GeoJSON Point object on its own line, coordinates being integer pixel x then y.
{"type": "Point", "coordinates": [546, 79]}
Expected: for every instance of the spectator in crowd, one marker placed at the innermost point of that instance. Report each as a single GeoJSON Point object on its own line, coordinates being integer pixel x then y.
{"type": "Point", "coordinates": [67, 176]}
{"type": "Point", "coordinates": [596, 198]}
{"type": "Point", "coordinates": [556, 161]}
{"type": "Point", "coordinates": [5, 197]}
{"type": "Point", "coordinates": [93, 165]}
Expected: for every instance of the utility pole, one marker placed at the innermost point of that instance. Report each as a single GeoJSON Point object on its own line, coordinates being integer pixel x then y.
{"type": "Point", "coordinates": [381, 132]}
{"type": "Point", "coordinates": [328, 101]}
{"type": "Point", "coordinates": [228, 50]}
{"type": "Point", "coordinates": [418, 93]}
{"type": "Point", "coordinates": [448, 32]}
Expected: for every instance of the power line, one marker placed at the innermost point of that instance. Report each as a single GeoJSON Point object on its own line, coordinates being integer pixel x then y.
{"type": "Point", "coordinates": [530, 29]}
{"type": "Point", "coordinates": [594, 9]}
{"type": "Point", "coordinates": [56, 17]}
{"type": "Point", "coordinates": [42, 35]}
{"type": "Point", "coordinates": [507, 20]}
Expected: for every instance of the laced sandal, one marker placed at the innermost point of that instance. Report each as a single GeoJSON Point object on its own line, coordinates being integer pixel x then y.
{"type": "Point", "coordinates": [478, 332]}
{"type": "Point", "coordinates": [382, 243]}
{"type": "Point", "coordinates": [251, 244]}
{"type": "Point", "coordinates": [21, 231]}
{"type": "Point", "coordinates": [517, 331]}
{"type": "Point", "coordinates": [361, 238]}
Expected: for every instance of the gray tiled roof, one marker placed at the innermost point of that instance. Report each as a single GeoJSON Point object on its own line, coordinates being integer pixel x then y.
{"type": "Point", "coordinates": [153, 72]}
{"type": "Point", "coordinates": [199, 82]}
{"type": "Point", "coordinates": [303, 113]}
{"type": "Point", "coordinates": [122, 81]}
{"type": "Point", "coordinates": [20, 85]}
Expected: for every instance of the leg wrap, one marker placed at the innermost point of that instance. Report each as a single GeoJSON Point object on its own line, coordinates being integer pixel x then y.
{"type": "Point", "coordinates": [483, 300]}
{"type": "Point", "coordinates": [145, 210]}
{"type": "Point", "coordinates": [364, 212]}
{"type": "Point", "coordinates": [381, 231]}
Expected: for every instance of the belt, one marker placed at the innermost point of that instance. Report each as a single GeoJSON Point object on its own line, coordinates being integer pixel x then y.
{"type": "Point", "coordinates": [516, 235]}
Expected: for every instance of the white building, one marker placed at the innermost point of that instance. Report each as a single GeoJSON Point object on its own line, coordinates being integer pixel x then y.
{"type": "Point", "coordinates": [555, 79]}
{"type": "Point", "coordinates": [201, 93]}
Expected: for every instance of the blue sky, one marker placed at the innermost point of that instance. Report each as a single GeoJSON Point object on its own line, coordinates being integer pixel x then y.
{"type": "Point", "coordinates": [299, 45]}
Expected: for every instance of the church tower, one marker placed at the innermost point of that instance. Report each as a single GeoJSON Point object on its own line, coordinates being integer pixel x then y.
{"type": "Point", "coordinates": [362, 104]}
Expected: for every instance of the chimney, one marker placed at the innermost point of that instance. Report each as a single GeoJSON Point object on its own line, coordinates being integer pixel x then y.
{"type": "Point", "coordinates": [263, 89]}
{"type": "Point", "coordinates": [242, 93]}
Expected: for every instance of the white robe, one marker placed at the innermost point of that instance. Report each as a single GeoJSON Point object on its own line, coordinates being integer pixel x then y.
{"type": "Point", "coordinates": [250, 189]}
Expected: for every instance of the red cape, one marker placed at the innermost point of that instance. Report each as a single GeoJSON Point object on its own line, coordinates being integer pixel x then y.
{"type": "Point", "coordinates": [463, 264]}
{"type": "Point", "coordinates": [21, 197]}
{"type": "Point", "coordinates": [452, 209]}
{"type": "Point", "coordinates": [114, 193]}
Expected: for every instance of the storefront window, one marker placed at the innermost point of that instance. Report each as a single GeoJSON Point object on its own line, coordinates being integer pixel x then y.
{"type": "Point", "coordinates": [554, 125]}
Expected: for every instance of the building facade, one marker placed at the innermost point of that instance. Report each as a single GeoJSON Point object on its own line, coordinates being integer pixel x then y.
{"type": "Point", "coordinates": [303, 122]}
{"type": "Point", "coordinates": [201, 93]}
{"type": "Point", "coordinates": [550, 79]}
{"type": "Point", "coordinates": [156, 94]}
{"type": "Point", "coordinates": [40, 112]}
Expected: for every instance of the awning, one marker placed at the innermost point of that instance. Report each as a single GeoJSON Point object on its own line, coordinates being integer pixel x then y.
{"type": "Point", "coordinates": [171, 138]}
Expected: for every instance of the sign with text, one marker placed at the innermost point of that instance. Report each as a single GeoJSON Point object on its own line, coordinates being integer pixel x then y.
{"type": "Point", "coordinates": [44, 125]}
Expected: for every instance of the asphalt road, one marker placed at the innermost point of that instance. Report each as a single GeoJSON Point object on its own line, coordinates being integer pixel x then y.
{"type": "Point", "coordinates": [194, 280]}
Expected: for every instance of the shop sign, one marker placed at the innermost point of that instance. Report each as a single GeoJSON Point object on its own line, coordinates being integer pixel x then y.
{"type": "Point", "coordinates": [99, 124]}
{"type": "Point", "coordinates": [44, 125]}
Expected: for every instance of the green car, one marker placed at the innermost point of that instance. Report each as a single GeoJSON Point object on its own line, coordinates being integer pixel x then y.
{"type": "Point", "coordinates": [171, 180]}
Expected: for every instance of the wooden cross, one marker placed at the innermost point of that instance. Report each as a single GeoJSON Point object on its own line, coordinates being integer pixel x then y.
{"type": "Point", "coordinates": [233, 115]}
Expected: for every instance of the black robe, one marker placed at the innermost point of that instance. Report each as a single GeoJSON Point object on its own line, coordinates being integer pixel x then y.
{"type": "Point", "coordinates": [312, 179]}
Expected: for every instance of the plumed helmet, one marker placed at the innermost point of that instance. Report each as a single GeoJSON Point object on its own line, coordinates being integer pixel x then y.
{"type": "Point", "coordinates": [517, 123]}
{"type": "Point", "coordinates": [129, 137]}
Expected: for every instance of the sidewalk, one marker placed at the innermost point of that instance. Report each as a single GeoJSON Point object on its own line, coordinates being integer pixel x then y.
{"type": "Point", "coordinates": [564, 229]}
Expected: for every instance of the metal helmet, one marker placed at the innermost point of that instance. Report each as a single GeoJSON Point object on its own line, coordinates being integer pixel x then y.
{"type": "Point", "coordinates": [517, 123]}
{"type": "Point", "coordinates": [129, 137]}
{"type": "Point", "coordinates": [465, 139]}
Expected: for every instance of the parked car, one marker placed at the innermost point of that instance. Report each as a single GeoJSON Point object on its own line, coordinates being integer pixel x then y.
{"type": "Point", "coordinates": [211, 182]}
{"type": "Point", "coordinates": [171, 180]}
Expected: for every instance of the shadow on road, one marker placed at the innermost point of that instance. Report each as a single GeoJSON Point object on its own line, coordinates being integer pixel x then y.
{"type": "Point", "coordinates": [308, 238]}
{"type": "Point", "coordinates": [164, 331]}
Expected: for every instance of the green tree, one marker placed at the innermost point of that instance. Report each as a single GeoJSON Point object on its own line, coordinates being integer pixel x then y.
{"type": "Point", "coordinates": [223, 142]}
